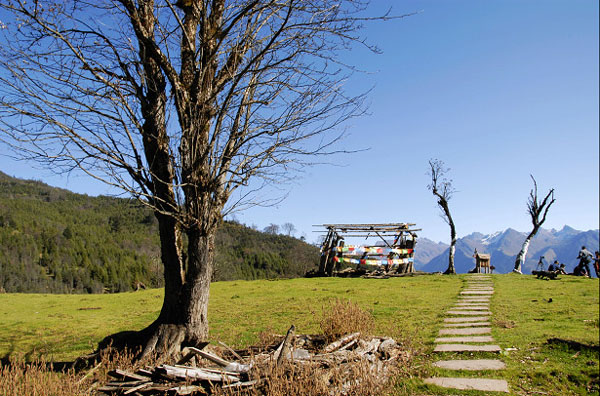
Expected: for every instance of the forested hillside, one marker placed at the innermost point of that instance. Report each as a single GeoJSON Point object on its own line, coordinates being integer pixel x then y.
{"type": "Point", "coordinates": [56, 241]}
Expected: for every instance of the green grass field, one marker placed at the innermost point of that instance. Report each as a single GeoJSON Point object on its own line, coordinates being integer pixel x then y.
{"type": "Point", "coordinates": [555, 343]}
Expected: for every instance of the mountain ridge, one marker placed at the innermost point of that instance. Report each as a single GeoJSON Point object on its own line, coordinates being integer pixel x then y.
{"type": "Point", "coordinates": [503, 246]}
{"type": "Point", "coordinates": [55, 241]}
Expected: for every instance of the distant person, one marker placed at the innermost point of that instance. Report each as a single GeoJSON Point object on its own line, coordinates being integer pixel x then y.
{"type": "Point", "coordinates": [579, 270]}
{"type": "Point", "coordinates": [553, 267]}
{"type": "Point", "coordinates": [541, 265]}
{"type": "Point", "coordinates": [597, 263]}
{"type": "Point", "coordinates": [561, 270]}
{"type": "Point", "coordinates": [585, 257]}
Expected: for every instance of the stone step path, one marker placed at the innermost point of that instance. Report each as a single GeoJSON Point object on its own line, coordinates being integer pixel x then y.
{"type": "Point", "coordinates": [471, 365]}
{"type": "Point", "coordinates": [467, 329]}
{"type": "Point", "coordinates": [467, 324]}
{"type": "Point", "coordinates": [470, 383]}
{"type": "Point", "coordinates": [466, 348]}
{"type": "Point", "coordinates": [465, 339]}
{"type": "Point", "coordinates": [472, 319]}
{"type": "Point", "coordinates": [468, 312]}
{"type": "Point", "coordinates": [473, 307]}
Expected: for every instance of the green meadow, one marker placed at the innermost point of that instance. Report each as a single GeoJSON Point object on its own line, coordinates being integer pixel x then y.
{"type": "Point", "coordinates": [548, 329]}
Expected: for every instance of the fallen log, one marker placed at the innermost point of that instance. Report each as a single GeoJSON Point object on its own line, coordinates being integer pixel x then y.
{"type": "Point", "coordinates": [239, 385]}
{"type": "Point", "coordinates": [125, 375]}
{"type": "Point", "coordinates": [137, 388]}
{"type": "Point", "coordinates": [194, 373]}
{"type": "Point", "coordinates": [339, 343]}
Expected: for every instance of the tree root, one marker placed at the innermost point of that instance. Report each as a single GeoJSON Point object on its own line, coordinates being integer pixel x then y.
{"type": "Point", "coordinates": [160, 342]}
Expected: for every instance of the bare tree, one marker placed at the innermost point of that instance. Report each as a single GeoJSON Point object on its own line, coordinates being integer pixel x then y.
{"type": "Point", "coordinates": [288, 228]}
{"type": "Point", "coordinates": [190, 106]}
{"type": "Point", "coordinates": [272, 229]}
{"type": "Point", "coordinates": [535, 208]}
{"type": "Point", "coordinates": [442, 189]}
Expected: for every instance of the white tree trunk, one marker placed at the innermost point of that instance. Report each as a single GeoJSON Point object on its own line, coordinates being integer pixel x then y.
{"type": "Point", "coordinates": [521, 257]}
{"type": "Point", "coordinates": [451, 253]}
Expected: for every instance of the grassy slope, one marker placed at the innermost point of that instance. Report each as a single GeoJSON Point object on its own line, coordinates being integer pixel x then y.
{"type": "Point", "coordinates": [409, 309]}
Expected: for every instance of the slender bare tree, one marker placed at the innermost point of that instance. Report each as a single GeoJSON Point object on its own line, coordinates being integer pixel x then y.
{"type": "Point", "coordinates": [442, 189]}
{"type": "Point", "coordinates": [272, 229]}
{"type": "Point", "coordinates": [535, 208]}
{"type": "Point", "coordinates": [189, 106]}
{"type": "Point", "coordinates": [288, 228]}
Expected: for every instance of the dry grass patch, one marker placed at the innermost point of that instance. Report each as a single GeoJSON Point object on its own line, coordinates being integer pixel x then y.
{"type": "Point", "coordinates": [343, 317]}
{"type": "Point", "coordinates": [18, 378]}
{"type": "Point", "coordinates": [312, 380]}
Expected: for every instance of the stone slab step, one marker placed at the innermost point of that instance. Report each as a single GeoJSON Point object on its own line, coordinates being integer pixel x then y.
{"type": "Point", "coordinates": [477, 301]}
{"type": "Point", "coordinates": [482, 299]}
{"type": "Point", "coordinates": [467, 324]}
{"type": "Point", "coordinates": [472, 304]}
{"type": "Point", "coordinates": [471, 365]}
{"type": "Point", "coordinates": [466, 348]}
{"type": "Point", "coordinates": [466, 331]}
{"type": "Point", "coordinates": [473, 307]}
{"type": "Point", "coordinates": [470, 319]}
{"type": "Point", "coordinates": [482, 384]}
{"type": "Point", "coordinates": [461, 312]}
{"type": "Point", "coordinates": [441, 340]}
{"type": "Point", "coordinates": [482, 292]}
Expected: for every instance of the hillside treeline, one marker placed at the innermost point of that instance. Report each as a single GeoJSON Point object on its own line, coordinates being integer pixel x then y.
{"type": "Point", "coordinates": [56, 241]}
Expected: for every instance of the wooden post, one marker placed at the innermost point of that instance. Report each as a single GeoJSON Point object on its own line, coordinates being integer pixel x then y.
{"type": "Point", "coordinates": [286, 345]}
{"type": "Point", "coordinates": [330, 263]}
{"type": "Point", "coordinates": [325, 250]}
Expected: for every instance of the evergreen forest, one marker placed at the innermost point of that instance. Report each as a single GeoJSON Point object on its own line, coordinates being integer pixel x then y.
{"type": "Point", "coordinates": [56, 241]}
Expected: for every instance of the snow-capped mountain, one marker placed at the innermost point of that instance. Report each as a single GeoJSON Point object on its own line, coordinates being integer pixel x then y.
{"type": "Point", "coordinates": [562, 245]}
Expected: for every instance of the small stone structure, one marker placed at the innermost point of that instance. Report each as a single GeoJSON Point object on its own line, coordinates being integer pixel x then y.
{"type": "Point", "coordinates": [482, 262]}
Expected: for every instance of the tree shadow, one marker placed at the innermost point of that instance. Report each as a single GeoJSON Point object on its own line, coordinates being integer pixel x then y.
{"type": "Point", "coordinates": [573, 345]}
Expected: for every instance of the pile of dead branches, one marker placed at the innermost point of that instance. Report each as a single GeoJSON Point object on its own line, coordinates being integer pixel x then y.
{"type": "Point", "coordinates": [374, 274]}
{"type": "Point", "coordinates": [336, 368]}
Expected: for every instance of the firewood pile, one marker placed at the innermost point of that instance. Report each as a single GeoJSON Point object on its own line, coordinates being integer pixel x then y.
{"type": "Point", "coordinates": [249, 369]}
{"type": "Point", "coordinates": [374, 274]}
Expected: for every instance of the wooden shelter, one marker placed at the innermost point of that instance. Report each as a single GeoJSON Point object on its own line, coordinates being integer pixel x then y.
{"type": "Point", "coordinates": [392, 253]}
{"type": "Point", "coordinates": [482, 262]}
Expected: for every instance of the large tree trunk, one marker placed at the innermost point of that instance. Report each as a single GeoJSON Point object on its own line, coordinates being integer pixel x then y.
{"type": "Point", "coordinates": [183, 319]}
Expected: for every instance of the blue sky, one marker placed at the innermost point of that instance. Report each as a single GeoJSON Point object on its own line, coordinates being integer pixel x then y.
{"type": "Point", "coordinates": [498, 90]}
